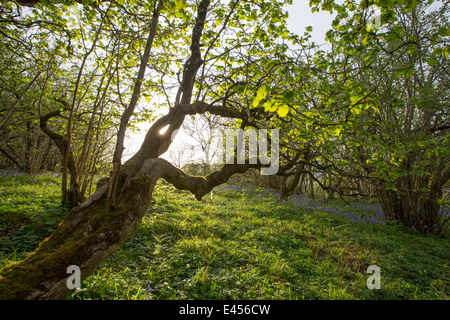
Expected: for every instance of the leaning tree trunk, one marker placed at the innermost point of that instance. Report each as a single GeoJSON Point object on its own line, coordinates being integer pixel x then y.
{"type": "Point", "coordinates": [94, 229]}
{"type": "Point", "coordinates": [90, 234]}
{"type": "Point", "coordinates": [85, 238]}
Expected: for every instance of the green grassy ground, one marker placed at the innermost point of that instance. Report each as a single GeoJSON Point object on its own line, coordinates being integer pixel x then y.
{"type": "Point", "coordinates": [241, 243]}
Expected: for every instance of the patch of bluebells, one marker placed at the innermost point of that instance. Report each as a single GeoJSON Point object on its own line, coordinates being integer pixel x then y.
{"type": "Point", "coordinates": [19, 183]}
{"type": "Point", "coordinates": [10, 172]}
{"type": "Point", "coordinates": [359, 212]}
{"type": "Point", "coordinates": [17, 172]}
{"type": "Point", "coordinates": [304, 203]}
{"type": "Point", "coordinates": [30, 178]}
{"type": "Point", "coordinates": [444, 211]}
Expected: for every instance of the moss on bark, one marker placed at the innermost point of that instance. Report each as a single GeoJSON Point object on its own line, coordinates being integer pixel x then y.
{"type": "Point", "coordinates": [85, 238]}
{"type": "Point", "coordinates": [90, 233]}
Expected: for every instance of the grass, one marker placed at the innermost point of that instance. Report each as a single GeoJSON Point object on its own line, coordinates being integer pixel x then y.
{"type": "Point", "coordinates": [29, 210]}
{"type": "Point", "coordinates": [241, 243]}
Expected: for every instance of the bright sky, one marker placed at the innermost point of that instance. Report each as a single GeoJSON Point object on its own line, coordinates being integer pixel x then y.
{"type": "Point", "coordinates": [300, 17]}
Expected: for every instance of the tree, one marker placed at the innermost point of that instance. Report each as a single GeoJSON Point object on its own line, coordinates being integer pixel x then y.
{"type": "Point", "coordinates": [232, 60]}
{"type": "Point", "coordinates": [394, 79]}
{"type": "Point", "coordinates": [22, 143]}
{"type": "Point", "coordinates": [97, 227]}
{"type": "Point", "coordinates": [75, 103]}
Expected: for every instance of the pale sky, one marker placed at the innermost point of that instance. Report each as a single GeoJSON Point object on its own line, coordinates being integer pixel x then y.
{"type": "Point", "coordinates": [300, 17]}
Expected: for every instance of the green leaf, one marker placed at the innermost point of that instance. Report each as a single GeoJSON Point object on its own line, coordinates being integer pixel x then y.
{"type": "Point", "coordinates": [283, 110]}
{"type": "Point", "coordinates": [366, 40]}
{"type": "Point", "coordinates": [432, 62]}
{"type": "Point", "coordinates": [400, 74]}
{"type": "Point", "coordinates": [239, 88]}
{"type": "Point", "coordinates": [421, 143]}
{"type": "Point", "coordinates": [335, 132]}
{"type": "Point", "coordinates": [288, 96]}
{"type": "Point", "coordinates": [391, 186]}
{"type": "Point", "coordinates": [270, 106]}
{"type": "Point", "coordinates": [411, 50]}
{"type": "Point", "coordinates": [356, 110]}
{"type": "Point", "coordinates": [409, 73]}
{"type": "Point", "coordinates": [445, 32]}
{"type": "Point", "coordinates": [261, 94]}
{"type": "Point", "coordinates": [442, 152]}
{"type": "Point", "coordinates": [335, 23]}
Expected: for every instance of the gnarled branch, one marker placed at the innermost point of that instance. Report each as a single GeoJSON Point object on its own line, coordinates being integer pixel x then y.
{"type": "Point", "coordinates": [198, 186]}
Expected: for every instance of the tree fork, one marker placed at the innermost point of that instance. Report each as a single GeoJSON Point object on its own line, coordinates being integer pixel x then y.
{"type": "Point", "coordinates": [74, 195]}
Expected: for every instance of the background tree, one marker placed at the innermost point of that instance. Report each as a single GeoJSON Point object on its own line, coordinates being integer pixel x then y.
{"type": "Point", "coordinates": [395, 129]}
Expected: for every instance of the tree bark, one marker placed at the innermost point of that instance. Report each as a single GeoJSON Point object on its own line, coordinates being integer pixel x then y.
{"type": "Point", "coordinates": [65, 148]}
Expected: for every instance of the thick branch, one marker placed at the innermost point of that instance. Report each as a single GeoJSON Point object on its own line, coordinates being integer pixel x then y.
{"type": "Point", "coordinates": [155, 143]}
{"type": "Point", "coordinates": [126, 115]}
{"type": "Point", "coordinates": [200, 107]}
{"type": "Point", "coordinates": [194, 61]}
{"type": "Point", "coordinates": [198, 186]}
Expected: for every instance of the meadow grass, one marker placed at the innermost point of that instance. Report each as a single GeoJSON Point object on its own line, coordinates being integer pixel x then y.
{"type": "Point", "coordinates": [239, 243]}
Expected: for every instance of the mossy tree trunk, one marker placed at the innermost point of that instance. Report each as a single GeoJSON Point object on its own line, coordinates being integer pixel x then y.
{"type": "Point", "coordinates": [95, 228]}
{"type": "Point", "coordinates": [90, 234]}
{"type": "Point", "coordinates": [85, 238]}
